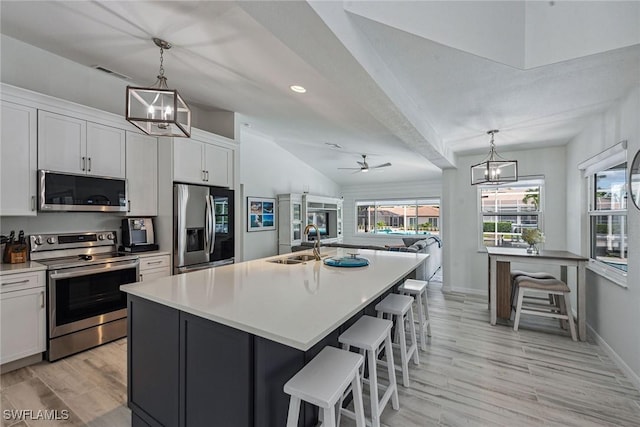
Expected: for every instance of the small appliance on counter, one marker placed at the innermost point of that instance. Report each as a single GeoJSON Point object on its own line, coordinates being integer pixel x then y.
{"type": "Point", "coordinates": [138, 235]}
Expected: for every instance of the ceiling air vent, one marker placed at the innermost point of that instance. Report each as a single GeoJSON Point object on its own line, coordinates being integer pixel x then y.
{"type": "Point", "coordinates": [111, 72]}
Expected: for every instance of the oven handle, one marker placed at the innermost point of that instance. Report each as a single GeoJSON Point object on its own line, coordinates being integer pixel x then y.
{"type": "Point", "coordinates": [83, 271]}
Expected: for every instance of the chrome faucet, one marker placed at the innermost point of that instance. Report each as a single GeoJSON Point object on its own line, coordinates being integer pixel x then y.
{"type": "Point", "coordinates": [316, 246]}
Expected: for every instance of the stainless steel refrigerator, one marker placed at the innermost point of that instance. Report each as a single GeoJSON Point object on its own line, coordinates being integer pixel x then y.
{"type": "Point", "coordinates": [203, 227]}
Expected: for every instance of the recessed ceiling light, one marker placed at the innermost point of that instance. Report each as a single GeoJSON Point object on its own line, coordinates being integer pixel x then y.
{"type": "Point", "coordinates": [298, 89]}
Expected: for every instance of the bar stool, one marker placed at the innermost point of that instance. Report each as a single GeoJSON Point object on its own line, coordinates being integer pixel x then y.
{"type": "Point", "coordinates": [536, 275]}
{"type": "Point", "coordinates": [371, 335]}
{"type": "Point", "coordinates": [401, 307]}
{"type": "Point", "coordinates": [418, 290]}
{"type": "Point", "coordinates": [554, 287]}
{"type": "Point", "coordinates": [323, 381]}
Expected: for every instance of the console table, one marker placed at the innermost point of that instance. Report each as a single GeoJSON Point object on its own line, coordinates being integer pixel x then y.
{"type": "Point", "coordinates": [500, 279]}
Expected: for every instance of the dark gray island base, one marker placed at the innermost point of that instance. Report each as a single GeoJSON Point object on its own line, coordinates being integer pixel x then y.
{"type": "Point", "coordinates": [184, 370]}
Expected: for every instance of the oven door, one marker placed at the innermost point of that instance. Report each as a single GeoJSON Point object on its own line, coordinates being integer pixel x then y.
{"type": "Point", "coordinates": [82, 297]}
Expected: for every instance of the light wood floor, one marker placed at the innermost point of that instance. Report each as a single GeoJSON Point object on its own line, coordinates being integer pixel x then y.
{"type": "Point", "coordinates": [473, 374]}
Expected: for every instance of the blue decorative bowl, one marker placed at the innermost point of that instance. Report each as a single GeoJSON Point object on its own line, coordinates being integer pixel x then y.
{"type": "Point", "coordinates": [350, 261]}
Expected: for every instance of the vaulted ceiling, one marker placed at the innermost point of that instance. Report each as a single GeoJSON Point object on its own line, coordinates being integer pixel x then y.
{"type": "Point", "coordinates": [411, 83]}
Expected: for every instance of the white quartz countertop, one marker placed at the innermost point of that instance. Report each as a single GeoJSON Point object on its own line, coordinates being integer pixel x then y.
{"type": "Point", "coordinates": [149, 254]}
{"type": "Point", "coordinates": [296, 305]}
{"type": "Point", "coordinates": [23, 267]}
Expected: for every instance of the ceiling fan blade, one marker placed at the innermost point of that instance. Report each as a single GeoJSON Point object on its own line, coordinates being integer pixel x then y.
{"type": "Point", "coordinates": [351, 169]}
{"type": "Point", "coordinates": [384, 165]}
{"type": "Point", "coordinates": [363, 164]}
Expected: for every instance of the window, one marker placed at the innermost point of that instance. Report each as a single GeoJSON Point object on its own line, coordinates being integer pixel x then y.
{"type": "Point", "coordinates": [506, 210]}
{"type": "Point", "coordinates": [398, 217]}
{"type": "Point", "coordinates": [608, 219]}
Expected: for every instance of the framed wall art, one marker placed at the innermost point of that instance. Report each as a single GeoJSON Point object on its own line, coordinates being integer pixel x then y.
{"type": "Point", "coordinates": [261, 214]}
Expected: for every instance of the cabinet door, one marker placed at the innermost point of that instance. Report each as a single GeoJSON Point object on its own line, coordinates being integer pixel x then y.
{"type": "Point", "coordinates": [188, 161]}
{"type": "Point", "coordinates": [142, 174]}
{"type": "Point", "coordinates": [62, 143]}
{"type": "Point", "coordinates": [156, 273]}
{"type": "Point", "coordinates": [18, 158]}
{"type": "Point", "coordinates": [105, 151]}
{"type": "Point", "coordinates": [22, 324]}
{"type": "Point", "coordinates": [218, 165]}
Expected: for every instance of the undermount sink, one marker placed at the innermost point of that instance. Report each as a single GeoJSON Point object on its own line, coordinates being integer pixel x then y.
{"type": "Point", "coordinates": [305, 257]}
{"type": "Point", "coordinates": [286, 261]}
{"type": "Point", "coordinates": [296, 259]}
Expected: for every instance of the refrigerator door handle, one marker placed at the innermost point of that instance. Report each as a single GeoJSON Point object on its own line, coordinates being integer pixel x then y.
{"type": "Point", "coordinates": [183, 197]}
{"type": "Point", "coordinates": [207, 225]}
{"type": "Point", "coordinates": [212, 205]}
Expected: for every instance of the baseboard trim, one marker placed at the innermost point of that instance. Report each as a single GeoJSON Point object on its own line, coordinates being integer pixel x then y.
{"type": "Point", "coordinates": [631, 375]}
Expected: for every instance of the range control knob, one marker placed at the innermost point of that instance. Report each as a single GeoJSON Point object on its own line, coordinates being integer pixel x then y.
{"type": "Point", "coordinates": [51, 240]}
{"type": "Point", "coordinates": [100, 236]}
{"type": "Point", "coordinates": [110, 236]}
{"type": "Point", "coordinates": [37, 240]}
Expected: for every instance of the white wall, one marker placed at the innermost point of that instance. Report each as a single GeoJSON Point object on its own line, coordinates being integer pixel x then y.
{"type": "Point", "coordinates": [396, 190]}
{"type": "Point", "coordinates": [612, 311]}
{"type": "Point", "coordinates": [464, 266]}
{"type": "Point", "coordinates": [267, 170]}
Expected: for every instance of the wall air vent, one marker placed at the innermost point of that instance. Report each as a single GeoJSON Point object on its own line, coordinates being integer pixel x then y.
{"type": "Point", "coordinates": [111, 72]}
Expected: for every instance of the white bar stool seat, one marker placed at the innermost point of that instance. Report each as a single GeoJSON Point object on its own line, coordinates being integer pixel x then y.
{"type": "Point", "coordinates": [547, 287]}
{"type": "Point", "coordinates": [368, 334]}
{"type": "Point", "coordinates": [323, 381]}
{"type": "Point", "coordinates": [401, 306]}
{"type": "Point", "coordinates": [418, 290]}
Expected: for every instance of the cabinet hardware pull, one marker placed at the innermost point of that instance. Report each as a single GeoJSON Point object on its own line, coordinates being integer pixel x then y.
{"type": "Point", "coordinates": [141, 277]}
{"type": "Point", "coordinates": [207, 172]}
{"type": "Point", "coordinates": [154, 262]}
{"type": "Point", "coordinates": [129, 205]}
{"type": "Point", "coordinates": [16, 283]}
{"type": "Point", "coordinates": [203, 175]}
{"type": "Point", "coordinates": [42, 299]}
{"type": "Point", "coordinates": [84, 164]}
{"type": "Point", "coordinates": [89, 168]}
{"type": "Point", "coordinates": [33, 203]}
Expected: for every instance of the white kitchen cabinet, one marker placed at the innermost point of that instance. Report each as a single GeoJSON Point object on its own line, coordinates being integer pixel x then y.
{"type": "Point", "coordinates": [67, 144]}
{"type": "Point", "coordinates": [200, 162]}
{"type": "Point", "coordinates": [188, 161]}
{"type": "Point", "coordinates": [18, 160]}
{"type": "Point", "coordinates": [290, 225]}
{"type": "Point", "coordinates": [22, 315]}
{"type": "Point", "coordinates": [142, 174]}
{"type": "Point", "coordinates": [154, 267]}
{"type": "Point", "coordinates": [105, 151]}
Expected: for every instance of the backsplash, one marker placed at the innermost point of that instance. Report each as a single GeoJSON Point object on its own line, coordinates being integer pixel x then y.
{"type": "Point", "coordinates": [61, 222]}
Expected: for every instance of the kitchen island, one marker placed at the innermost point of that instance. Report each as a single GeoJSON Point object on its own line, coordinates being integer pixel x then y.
{"type": "Point", "coordinates": [215, 347]}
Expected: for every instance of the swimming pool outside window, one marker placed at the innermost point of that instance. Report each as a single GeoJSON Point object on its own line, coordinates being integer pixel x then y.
{"type": "Point", "coordinates": [398, 217]}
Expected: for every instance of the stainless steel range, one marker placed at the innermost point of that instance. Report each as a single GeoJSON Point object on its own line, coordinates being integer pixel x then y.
{"type": "Point", "coordinates": [84, 303]}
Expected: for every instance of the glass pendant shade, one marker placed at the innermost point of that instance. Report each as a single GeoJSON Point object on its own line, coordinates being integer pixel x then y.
{"type": "Point", "coordinates": [494, 170]}
{"type": "Point", "coordinates": [158, 110]}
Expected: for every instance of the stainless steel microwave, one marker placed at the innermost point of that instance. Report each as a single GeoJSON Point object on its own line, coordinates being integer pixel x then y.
{"type": "Point", "coordinates": [80, 193]}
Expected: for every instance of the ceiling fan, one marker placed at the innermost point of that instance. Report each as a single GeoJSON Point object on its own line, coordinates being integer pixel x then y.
{"type": "Point", "coordinates": [364, 166]}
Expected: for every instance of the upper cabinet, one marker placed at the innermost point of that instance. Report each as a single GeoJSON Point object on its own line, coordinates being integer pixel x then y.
{"type": "Point", "coordinates": [215, 163]}
{"type": "Point", "coordinates": [18, 144]}
{"type": "Point", "coordinates": [66, 144]}
{"type": "Point", "coordinates": [142, 174]}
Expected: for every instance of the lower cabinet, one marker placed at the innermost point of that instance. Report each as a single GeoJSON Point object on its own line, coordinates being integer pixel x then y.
{"type": "Point", "coordinates": [22, 315]}
{"type": "Point", "coordinates": [154, 267]}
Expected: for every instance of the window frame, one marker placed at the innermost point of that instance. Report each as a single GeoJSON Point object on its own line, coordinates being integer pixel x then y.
{"type": "Point", "coordinates": [389, 201]}
{"type": "Point", "coordinates": [524, 181]}
{"type": "Point", "coordinates": [601, 268]}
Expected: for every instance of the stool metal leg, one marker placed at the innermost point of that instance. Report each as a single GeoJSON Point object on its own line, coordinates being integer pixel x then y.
{"type": "Point", "coordinates": [294, 412]}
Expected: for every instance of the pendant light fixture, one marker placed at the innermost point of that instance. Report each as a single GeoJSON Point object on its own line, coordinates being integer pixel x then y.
{"type": "Point", "coordinates": [158, 110]}
{"type": "Point", "coordinates": [495, 169]}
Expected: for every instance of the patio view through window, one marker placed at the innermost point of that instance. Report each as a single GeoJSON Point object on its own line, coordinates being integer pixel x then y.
{"type": "Point", "coordinates": [506, 210]}
{"type": "Point", "coordinates": [398, 217]}
{"type": "Point", "coordinates": [608, 214]}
